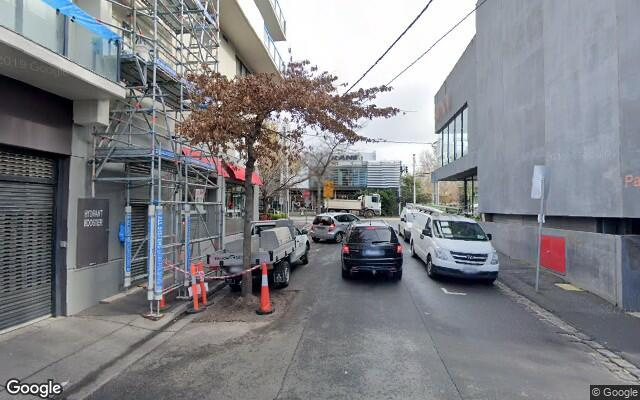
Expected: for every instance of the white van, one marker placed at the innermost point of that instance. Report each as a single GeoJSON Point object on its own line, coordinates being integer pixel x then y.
{"type": "Point", "coordinates": [454, 246]}
{"type": "Point", "coordinates": [406, 221]}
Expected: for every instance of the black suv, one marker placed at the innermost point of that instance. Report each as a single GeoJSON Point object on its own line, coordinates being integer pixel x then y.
{"type": "Point", "coordinates": [371, 246]}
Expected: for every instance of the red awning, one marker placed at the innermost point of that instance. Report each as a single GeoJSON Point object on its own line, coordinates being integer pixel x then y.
{"type": "Point", "coordinates": [239, 173]}
{"type": "Point", "coordinates": [214, 162]}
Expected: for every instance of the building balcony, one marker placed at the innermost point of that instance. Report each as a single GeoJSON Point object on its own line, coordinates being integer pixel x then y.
{"type": "Point", "coordinates": [273, 18]}
{"type": "Point", "coordinates": [243, 24]}
{"type": "Point", "coordinates": [44, 47]}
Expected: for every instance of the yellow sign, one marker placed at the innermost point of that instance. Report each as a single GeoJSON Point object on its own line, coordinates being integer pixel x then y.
{"type": "Point", "coordinates": [328, 189]}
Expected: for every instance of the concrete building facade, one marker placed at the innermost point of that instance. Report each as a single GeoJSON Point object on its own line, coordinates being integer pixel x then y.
{"type": "Point", "coordinates": [553, 83]}
{"type": "Point", "coordinates": [64, 84]}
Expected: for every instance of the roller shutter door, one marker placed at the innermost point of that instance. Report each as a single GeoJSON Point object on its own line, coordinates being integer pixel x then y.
{"type": "Point", "coordinates": [27, 195]}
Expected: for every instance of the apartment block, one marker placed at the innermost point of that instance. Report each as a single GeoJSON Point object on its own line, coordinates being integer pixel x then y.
{"type": "Point", "coordinates": [98, 192]}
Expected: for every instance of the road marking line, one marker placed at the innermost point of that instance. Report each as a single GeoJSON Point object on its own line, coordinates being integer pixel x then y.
{"type": "Point", "coordinates": [454, 293]}
{"type": "Point", "coordinates": [569, 287]}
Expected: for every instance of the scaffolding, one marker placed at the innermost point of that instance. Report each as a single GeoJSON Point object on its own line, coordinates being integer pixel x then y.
{"type": "Point", "coordinates": [173, 191]}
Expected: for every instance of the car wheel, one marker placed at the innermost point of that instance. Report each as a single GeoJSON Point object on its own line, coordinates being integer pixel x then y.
{"type": "Point", "coordinates": [345, 274]}
{"type": "Point", "coordinates": [315, 240]}
{"type": "Point", "coordinates": [397, 276]}
{"type": "Point", "coordinates": [404, 235]}
{"type": "Point", "coordinates": [430, 270]}
{"type": "Point", "coordinates": [235, 287]}
{"type": "Point", "coordinates": [305, 257]}
{"type": "Point", "coordinates": [413, 252]}
{"type": "Point", "coordinates": [369, 214]}
{"type": "Point", "coordinates": [339, 237]}
{"type": "Point", "coordinates": [489, 281]}
{"type": "Point", "coordinates": [285, 270]}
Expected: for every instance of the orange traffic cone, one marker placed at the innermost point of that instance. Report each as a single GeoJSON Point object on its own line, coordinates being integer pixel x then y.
{"type": "Point", "coordinates": [203, 287]}
{"type": "Point", "coordinates": [265, 302]}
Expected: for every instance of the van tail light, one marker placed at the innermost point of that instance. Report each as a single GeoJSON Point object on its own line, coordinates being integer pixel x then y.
{"type": "Point", "coordinates": [332, 227]}
{"type": "Point", "coordinates": [345, 249]}
{"type": "Point", "coordinates": [399, 249]}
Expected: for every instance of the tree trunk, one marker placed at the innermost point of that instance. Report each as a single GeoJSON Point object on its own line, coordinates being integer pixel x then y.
{"type": "Point", "coordinates": [248, 217]}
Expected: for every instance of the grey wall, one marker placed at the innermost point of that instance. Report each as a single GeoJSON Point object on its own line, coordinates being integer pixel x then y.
{"type": "Point", "coordinates": [555, 83]}
{"type": "Point", "coordinates": [32, 118]}
{"type": "Point", "coordinates": [87, 285]}
{"type": "Point", "coordinates": [628, 35]}
{"type": "Point", "coordinates": [457, 90]}
{"type": "Point", "coordinates": [510, 116]}
{"type": "Point", "coordinates": [593, 259]}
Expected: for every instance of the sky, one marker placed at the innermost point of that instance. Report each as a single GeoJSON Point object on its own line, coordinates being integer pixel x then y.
{"type": "Point", "coordinates": [345, 37]}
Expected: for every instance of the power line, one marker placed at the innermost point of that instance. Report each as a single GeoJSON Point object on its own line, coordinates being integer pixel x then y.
{"type": "Point", "coordinates": [390, 47]}
{"type": "Point", "coordinates": [379, 140]}
{"type": "Point", "coordinates": [437, 41]}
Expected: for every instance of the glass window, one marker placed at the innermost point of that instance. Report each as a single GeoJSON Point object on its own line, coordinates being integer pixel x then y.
{"type": "Point", "coordinates": [451, 131]}
{"type": "Point", "coordinates": [465, 130]}
{"type": "Point", "coordinates": [372, 234]}
{"type": "Point", "coordinates": [458, 135]}
{"type": "Point", "coordinates": [322, 220]}
{"type": "Point", "coordinates": [459, 230]}
{"type": "Point", "coordinates": [445, 144]}
{"type": "Point", "coordinates": [8, 14]}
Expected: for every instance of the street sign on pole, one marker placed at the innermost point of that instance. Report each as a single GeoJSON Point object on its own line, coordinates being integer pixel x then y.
{"type": "Point", "coordinates": [328, 189]}
{"type": "Point", "coordinates": [537, 192]}
{"type": "Point", "coordinates": [414, 179]}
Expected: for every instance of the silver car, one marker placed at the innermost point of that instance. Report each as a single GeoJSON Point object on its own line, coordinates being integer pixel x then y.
{"type": "Point", "coordinates": [331, 226]}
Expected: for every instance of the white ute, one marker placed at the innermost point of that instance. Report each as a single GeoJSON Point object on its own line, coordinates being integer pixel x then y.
{"type": "Point", "coordinates": [277, 243]}
{"type": "Point", "coordinates": [454, 246]}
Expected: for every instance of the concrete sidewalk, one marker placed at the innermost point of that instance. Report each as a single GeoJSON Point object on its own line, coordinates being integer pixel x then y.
{"type": "Point", "coordinates": [78, 351]}
{"type": "Point", "coordinates": [593, 316]}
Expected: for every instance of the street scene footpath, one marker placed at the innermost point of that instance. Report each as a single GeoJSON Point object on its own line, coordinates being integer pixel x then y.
{"type": "Point", "coordinates": [85, 350]}
{"type": "Point", "coordinates": [599, 322]}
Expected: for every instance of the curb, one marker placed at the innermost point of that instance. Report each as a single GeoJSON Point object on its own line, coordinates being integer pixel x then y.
{"type": "Point", "coordinates": [615, 363]}
{"type": "Point", "coordinates": [96, 379]}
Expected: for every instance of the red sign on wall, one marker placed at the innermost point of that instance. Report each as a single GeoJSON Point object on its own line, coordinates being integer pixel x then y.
{"type": "Point", "coordinates": [553, 254]}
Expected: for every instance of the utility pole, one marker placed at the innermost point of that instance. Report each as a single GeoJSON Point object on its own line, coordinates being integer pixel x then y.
{"type": "Point", "coordinates": [414, 179]}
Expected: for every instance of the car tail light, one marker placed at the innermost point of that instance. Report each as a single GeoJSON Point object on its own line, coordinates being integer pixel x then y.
{"type": "Point", "coordinates": [371, 228]}
{"type": "Point", "coordinates": [399, 249]}
{"type": "Point", "coordinates": [345, 249]}
{"type": "Point", "coordinates": [332, 227]}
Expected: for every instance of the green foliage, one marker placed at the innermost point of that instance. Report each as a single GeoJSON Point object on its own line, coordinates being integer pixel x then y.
{"type": "Point", "coordinates": [422, 197]}
{"type": "Point", "coordinates": [389, 199]}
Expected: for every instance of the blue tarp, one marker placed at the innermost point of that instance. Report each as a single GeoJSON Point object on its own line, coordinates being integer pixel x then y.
{"type": "Point", "coordinates": [81, 17]}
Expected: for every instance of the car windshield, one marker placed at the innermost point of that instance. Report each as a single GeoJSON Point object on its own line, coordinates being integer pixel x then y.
{"type": "Point", "coordinates": [459, 230]}
{"type": "Point", "coordinates": [372, 235]}
{"type": "Point", "coordinates": [322, 220]}
{"type": "Point", "coordinates": [259, 228]}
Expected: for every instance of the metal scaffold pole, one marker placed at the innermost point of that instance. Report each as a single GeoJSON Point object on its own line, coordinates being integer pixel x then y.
{"type": "Point", "coordinates": [164, 42]}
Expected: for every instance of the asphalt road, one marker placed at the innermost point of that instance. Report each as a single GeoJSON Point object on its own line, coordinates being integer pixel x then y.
{"type": "Point", "coordinates": [371, 339]}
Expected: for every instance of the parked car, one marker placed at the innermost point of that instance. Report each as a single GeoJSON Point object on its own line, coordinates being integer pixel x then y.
{"type": "Point", "coordinates": [454, 246]}
{"type": "Point", "coordinates": [371, 246]}
{"type": "Point", "coordinates": [406, 221]}
{"type": "Point", "coordinates": [331, 226]}
{"type": "Point", "coordinates": [279, 244]}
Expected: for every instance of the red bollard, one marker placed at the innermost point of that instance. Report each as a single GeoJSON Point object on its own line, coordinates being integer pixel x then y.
{"type": "Point", "coordinates": [203, 287]}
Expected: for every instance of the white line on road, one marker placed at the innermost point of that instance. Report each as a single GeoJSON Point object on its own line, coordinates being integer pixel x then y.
{"type": "Point", "coordinates": [454, 293]}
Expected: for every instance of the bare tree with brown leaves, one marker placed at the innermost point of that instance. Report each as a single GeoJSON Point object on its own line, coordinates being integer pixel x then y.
{"type": "Point", "coordinates": [237, 114]}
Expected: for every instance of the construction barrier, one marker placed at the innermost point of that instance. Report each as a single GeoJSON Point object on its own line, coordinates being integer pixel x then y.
{"type": "Point", "coordinates": [265, 300]}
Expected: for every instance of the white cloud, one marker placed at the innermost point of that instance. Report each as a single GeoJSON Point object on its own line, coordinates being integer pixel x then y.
{"type": "Point", "coordinates": [345, 37]}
